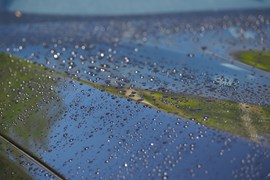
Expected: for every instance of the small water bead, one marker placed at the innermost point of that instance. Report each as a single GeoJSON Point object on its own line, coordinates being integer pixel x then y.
{"type": "Point", "coordinates": [97, 171]}
{"type": "Point", "coordinates": [199, 166]}
{"type": "Point", "coordinates": [101, 55]}
{"type": "Point", "coordinates": [73, 53]}
{"type": "Point", "coordinates": [126, 59]}
{"type": "Point", "coordinates": [190, 55]}
{"type": "Point", "coordinates": [55, 56]}
{"type": "Point", "coordinates": [205, 118]}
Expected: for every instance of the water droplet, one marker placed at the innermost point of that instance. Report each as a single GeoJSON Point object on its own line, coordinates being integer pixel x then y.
{"type": "Point", "coordinates": [190, 55]}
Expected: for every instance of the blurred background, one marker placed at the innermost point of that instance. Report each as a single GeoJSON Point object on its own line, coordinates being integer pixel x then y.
{"type": "Point", "coordinates": [125, 7]}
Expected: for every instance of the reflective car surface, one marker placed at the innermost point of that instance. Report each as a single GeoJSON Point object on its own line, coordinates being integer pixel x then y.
{"type": "Point", "coordinates": [134, 89]}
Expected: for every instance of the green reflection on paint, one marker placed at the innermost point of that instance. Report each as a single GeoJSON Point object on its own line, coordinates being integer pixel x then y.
{"type": "Point", "coordinates": [242, 119]}
{"type": "Point", "coordinates": [258, 59]}
{"type": "Point", "coordinates": [25, 100]}
{"type": "Point", "coordinates": [11, 170]}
